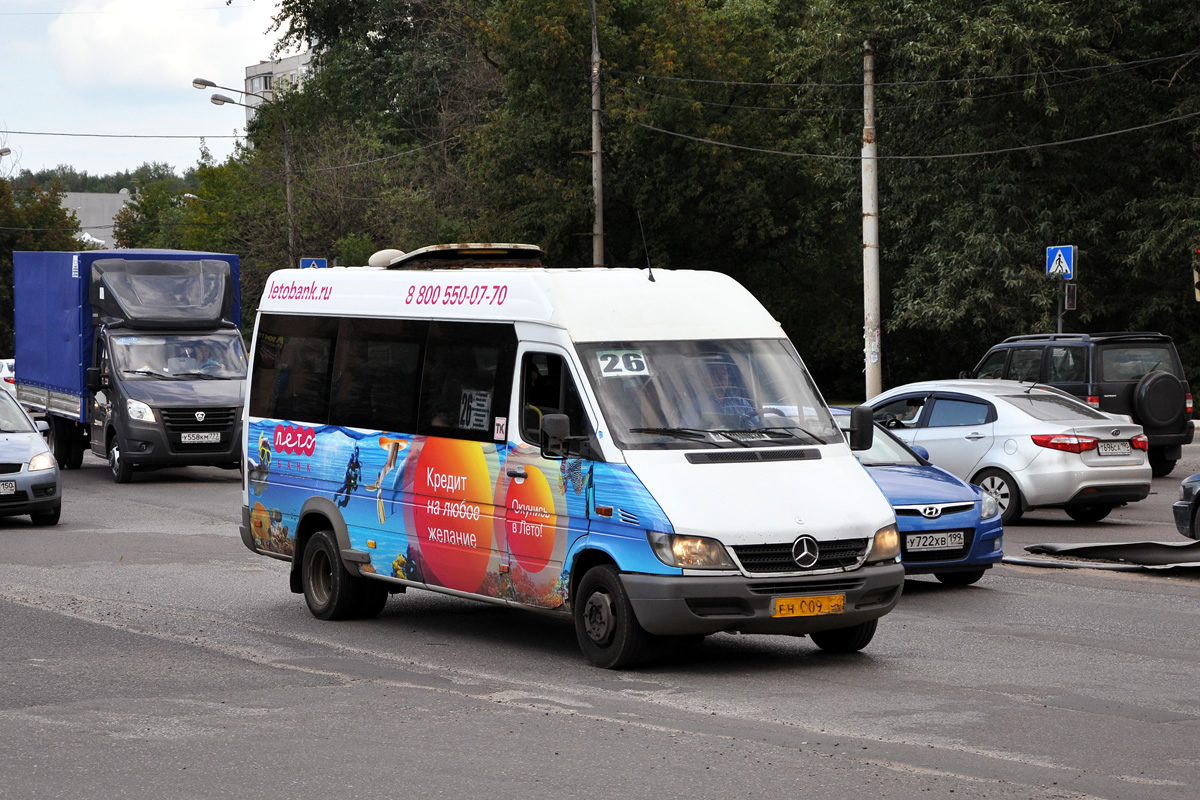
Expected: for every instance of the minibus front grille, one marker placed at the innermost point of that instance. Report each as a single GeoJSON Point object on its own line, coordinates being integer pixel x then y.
{"type": "Point", "coordinates": [750, 456]}
{"type": "Point", "coordinates": [842, 554]}
{"type": "Point", "coordinates": [778, 587]}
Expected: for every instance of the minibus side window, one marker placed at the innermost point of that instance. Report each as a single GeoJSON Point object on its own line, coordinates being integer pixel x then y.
{"type": "Point", "coordinates": [292, 367]}
{"type": "Point", "coordinates": [377, 374]}
{"type": "Point", "coordinates": [467, 380]}
{"type": "Point", "coordinates": [547, 387]}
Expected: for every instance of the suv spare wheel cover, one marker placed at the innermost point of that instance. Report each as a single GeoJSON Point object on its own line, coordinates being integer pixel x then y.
{"type": "Point", "coordinates": [1158, 400]}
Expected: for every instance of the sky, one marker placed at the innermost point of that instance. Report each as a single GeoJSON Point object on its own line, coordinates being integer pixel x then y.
{"type": "Point", "coordinates": [124, 68]}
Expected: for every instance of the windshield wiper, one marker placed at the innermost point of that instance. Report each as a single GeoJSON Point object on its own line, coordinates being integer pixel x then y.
{"type": "Point", "coordinates": [773, 430]}
{"type": "Point", "coordinates": [206, 375]}
{"type": "Point", "coordinates": [678, 433]}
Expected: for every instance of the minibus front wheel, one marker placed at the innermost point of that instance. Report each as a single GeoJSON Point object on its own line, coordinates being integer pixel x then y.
{"type": "Point", "coordinates": [330, 591]}
{"type": "Point", "coordinates": [607, 629]}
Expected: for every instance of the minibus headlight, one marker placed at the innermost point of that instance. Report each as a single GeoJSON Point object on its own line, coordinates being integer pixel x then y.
{"type": "Point", "coordinates": [689, 552]}
{"type": "Point", "coordinates": [139, 411]}
{"type": "Point", "coordinates": [41, 461]}
{"type": "Point", "coordinates": [886, 545]}
{"type": "Point", "coordinates": [990, 507]}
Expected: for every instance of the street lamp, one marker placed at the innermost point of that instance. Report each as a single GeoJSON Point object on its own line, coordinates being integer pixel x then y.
{"type": "Point", "coordinates": [4, 151]}
{"type": "Point", "coordinates": [220, 100]}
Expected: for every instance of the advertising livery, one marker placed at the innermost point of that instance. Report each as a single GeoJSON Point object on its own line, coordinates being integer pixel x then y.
{"type": "Point", "coordinates": [595, 443]}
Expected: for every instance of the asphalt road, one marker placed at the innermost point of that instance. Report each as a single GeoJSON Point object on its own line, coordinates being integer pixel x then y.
{"type": "Point", "coordinates": [148, 654]}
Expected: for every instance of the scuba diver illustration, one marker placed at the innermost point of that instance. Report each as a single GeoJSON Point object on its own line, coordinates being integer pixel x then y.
{"type": "Point", "coordinates": [393, 446]}
{"type": "Point", "coordinates": [350, 482]}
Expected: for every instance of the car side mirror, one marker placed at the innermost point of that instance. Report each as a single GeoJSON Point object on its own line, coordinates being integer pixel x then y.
{"type": "Point", "coordinates": [556, 430]}
{"type": "Point", "coordinates": [862, 428]}
{"type": "Point", "coordinates": [921, 451]}
{"type": "Point", "coordinates": [966, 373]}
{"type": "Point", "coordinates": [42, 426]}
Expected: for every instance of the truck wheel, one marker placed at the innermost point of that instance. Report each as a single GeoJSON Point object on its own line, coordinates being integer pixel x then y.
{"type": "Point", "coordinates": [845, 640]}
{"type": "Point", "coordinates": [607, 629]}
{"type": "Point", "coordinates": [60, 442]}
{"type": "Point", "coordinates": [122, 470]}
{"type": "Point", "coordinates": [77, 451]}
{"type": "Point", "coordinates": [330, 591]}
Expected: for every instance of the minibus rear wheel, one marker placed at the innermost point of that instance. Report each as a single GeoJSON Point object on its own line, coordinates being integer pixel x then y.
{"type": "Point", "coordinates": [330, 591]}
{"type": "Point", "coordinates": [607, 629]}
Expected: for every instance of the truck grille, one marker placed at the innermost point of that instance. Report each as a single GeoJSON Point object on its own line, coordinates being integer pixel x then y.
{"type": "Point", "coordinates": [841, 554]}
{"type": "Point", "coordinates": [180, 421]}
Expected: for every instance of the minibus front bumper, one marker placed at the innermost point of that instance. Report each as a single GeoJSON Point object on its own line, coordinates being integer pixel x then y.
{"type": "Point", "coordinates": [680, 605]}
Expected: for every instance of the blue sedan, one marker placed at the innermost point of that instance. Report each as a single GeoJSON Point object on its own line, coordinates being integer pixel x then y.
{"type": "Point", "coordinates": [948, 528]}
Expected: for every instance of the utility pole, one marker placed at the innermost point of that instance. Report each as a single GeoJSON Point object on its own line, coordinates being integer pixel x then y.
{"type": "Point", "coordinates": [597, 174]}
{"type": "Point", "coordinates": [870, 215]}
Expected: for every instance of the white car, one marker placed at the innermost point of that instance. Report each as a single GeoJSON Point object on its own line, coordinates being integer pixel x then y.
{"type": "Point", "coordinates": [8, 374]}
{"type": "Point", "coordinates": [1029, 446]}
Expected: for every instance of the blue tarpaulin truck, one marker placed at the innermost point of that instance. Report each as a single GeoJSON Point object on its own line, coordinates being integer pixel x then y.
{"type": "Point", "coordinates": [135, 354]}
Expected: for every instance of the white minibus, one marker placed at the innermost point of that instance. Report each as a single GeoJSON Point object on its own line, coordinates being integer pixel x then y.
{"type": "Point", "coordinates": [640, 451]}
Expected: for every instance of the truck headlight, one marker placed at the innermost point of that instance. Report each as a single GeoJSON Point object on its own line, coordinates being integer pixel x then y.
{"type": "Point", "coordinates": [990, 507]}
{"type": "Point", "coordinates": [886, 544]}
{"type": "Point", "coordinates": [689, 552]}
{"type": "Point", "coordinates": [41, 461]}
{"type": "Point", "coordinates": [139, 411]}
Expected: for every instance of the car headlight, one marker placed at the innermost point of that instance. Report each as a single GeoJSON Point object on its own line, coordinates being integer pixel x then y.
{"type": "Point", "coordinates": [139, 411]}
{"type": "Point", "coordinates": [41, 461]}
{"type": "Point", "coordinates": [689, 552]}
{"type": "Point", "coordinates": [990, 507]}
{"type": "Point", "coordinates": [886, 544]}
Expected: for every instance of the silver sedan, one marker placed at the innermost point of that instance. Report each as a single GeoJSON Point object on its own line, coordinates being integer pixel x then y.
{"type": "Point", "coordinates": [1029, 446]}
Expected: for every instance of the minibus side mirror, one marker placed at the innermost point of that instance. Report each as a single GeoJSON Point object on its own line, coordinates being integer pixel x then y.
{"type": "Point", "coordinates": [91, 379]}
{"type": "Point", "coordinates": [556, 430]}
{"type": "Point", "coordinates": [862, 428]}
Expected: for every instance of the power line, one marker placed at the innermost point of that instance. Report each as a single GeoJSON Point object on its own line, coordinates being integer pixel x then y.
{"type": "Point", "coordinates": [917, 157]}
{"type": "Point", "coordinates": [121, 135]}
{"type": "Point", "coordinates": [976, 79]}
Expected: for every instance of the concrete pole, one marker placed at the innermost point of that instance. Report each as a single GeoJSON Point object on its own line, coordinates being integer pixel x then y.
{"type": "Point", "coordinates": [597, 173]}
{"type": "Point", "coordinates": [870, 215]}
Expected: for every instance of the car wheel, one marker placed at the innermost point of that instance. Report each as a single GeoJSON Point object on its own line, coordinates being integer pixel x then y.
{"type": "Point", "coordinates": [122, 470]}
{"type": "Point", "coordinates": [330, 591]}
{"type": "Point", "coordinates": [1001, 486]}
{"type": "Point", "coordinates": [1093, 512]}
{"type": "Point", "coordinates": [1160, 467]}
{"type": "Point", "coordinates": [965, 578]}
{"type": "Point", "coordinates": [47, 517]}
{"type": "Point", "coordinates": [845, 640]}
{"type": "Point", "coordinates": [607, 629]}
{"type": "Point", "coordinates": [1159, 400]}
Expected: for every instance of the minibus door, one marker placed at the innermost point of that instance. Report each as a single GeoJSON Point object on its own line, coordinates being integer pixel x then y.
{"type": "Point", "coordinates": [545, 499]}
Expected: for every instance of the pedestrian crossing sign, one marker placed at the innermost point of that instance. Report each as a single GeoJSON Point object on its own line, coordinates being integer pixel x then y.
{"type": "Point", "coordinates": [1060, 261]}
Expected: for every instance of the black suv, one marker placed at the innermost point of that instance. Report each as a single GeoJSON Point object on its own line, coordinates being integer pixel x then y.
{"type": "Point", "coordinates": [1136, 373]}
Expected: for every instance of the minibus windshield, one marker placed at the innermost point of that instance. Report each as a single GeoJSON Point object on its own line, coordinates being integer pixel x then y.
{"type": "Point", "coordinates": [179, 356]}
{"type": "Point", "coordinates": [707, 393]}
